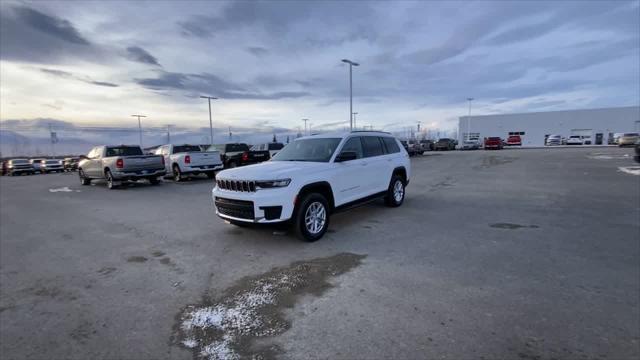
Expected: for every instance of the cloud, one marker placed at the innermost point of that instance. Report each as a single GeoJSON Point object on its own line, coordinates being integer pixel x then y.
{"type": "Point", "coordinates": [258, 51]}
{"type": "Point", "coordinates": [210, 84]}
{"type": "Point", "coordinates": [33, 36]}
{"type": "Point", "coordinates": [138, 54]}
{"type": "Point", "coordinates": [68, 75]}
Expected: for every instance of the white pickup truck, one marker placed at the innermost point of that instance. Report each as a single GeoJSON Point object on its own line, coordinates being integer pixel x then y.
{"type": "Point", "coordinates": [185, 160]}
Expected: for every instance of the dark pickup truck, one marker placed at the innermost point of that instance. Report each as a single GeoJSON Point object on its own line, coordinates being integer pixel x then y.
{"type": "Point", "coordinates": [238, 154]}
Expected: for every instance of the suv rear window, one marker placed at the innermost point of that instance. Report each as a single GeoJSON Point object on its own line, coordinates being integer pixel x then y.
{"type": "Point", "coordinates": [124, 151]}
{"type": "Point", "coordinates": [372, 146]}
{"type": "Point", "coordinates": [186, 148]}
{"type": "Point", "coordinates": [236, 147]}
{"type": "Point", "coordinates": [391, 144]}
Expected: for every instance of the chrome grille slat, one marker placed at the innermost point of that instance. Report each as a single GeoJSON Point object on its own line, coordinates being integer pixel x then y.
{"type": "Point", "coordinates": [237, 185]}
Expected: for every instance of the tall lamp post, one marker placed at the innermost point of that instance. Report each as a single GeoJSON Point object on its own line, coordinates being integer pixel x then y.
{"type": "Point", "coordinates": [351, 65]}
{"type": "Point", "coordinates": [305, 126]}
{"type": "Point", "coordinates": [354, 120]}
{"type": "Point", "coordinates": [209, 98]}
{"type": "Point", "coordinates": [468, 119]}
{"type": "Point", "coordinates": [139, 126]}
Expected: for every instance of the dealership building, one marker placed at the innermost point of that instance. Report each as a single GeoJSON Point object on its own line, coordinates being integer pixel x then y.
{"type": "Point", "coordinates": [596, 126]}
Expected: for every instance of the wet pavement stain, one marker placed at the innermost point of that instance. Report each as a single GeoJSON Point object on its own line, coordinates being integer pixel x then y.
{"type": "Point", "coordinates": [510, 226]}
{"type": "Point", "coordinates": [136, 259]}
{"type": "Point", "coordinates": [226, 327]}
{"type": "Point", "coordinates": [158, 253]}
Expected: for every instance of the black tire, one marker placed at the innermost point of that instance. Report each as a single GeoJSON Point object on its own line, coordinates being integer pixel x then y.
{"type": "Point", "coordinates": [391, 199]}
{"type": "Point", "coordinates": [110, 182]}
{"type": "Point", "coordinates": [211, 175]}
{"type": "Point", "coordinates": [318, 202]}
{"type": "Point", "coordinates": [154, 181]}
{"type": "Point", "coordinates": [83, 180]}
{"type": "Point", "coordinates": [177, 174]}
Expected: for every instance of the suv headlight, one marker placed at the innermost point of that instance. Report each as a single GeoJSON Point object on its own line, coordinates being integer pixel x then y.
{"type": "Point", "coordinates": [270, 184]}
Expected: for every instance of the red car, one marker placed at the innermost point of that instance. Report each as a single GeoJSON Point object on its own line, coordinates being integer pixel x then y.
{"type": "Point", "coordinates": [493, 143]}
{"type": "Point", "coordinates": [514, 140]}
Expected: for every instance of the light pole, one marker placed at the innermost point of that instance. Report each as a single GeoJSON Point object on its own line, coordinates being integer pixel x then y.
{"type": "Point", "coordinates": [305, 126]}
{"type": "Point", "coordinates": [354, 120]}
{"type": "Point", "coordinates": [139, 126]}
{"type": "Point", "coordinates": [351, 65]}
{"type": "Point", "coordinates": [209, 98]}
{"type": "Point", "coordinates": [468, 119]}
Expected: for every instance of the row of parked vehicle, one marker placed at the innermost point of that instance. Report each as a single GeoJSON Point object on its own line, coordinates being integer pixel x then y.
{"type": "Point", "coordinates": [38, 166]}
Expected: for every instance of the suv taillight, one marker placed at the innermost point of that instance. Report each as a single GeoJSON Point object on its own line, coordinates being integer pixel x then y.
{"type": "Point", "coordinates": [245, 156]}
{"type": "Point", "coordinates": [187, 159]}
{"type": "Point", "coordinates": [120, 163]}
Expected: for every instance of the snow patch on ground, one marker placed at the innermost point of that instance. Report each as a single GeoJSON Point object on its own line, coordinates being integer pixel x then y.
{"type": "Point", "coordinates": [633, 170]}
{"type": "Point", "coordinates": [62, 189]}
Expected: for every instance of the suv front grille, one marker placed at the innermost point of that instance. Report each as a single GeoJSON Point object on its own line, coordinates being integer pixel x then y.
{"type": "Point", "coordinates": [237, 185]}
{"type": "Point", "coordinates": [235, 208]}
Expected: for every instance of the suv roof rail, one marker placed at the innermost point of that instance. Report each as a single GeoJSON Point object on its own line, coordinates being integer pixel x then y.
{"type": "Point", "coordinates": [374, 131]}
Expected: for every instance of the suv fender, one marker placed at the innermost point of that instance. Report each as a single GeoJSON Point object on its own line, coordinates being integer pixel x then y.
{"type": "Point", "coordinates": [400, 171]}
{"type": "Point", "coordinates": [321, 187]}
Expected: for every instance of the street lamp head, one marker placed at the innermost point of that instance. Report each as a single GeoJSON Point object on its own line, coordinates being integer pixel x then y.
{"type": "Point", "coordinates": [208, 97]}
{"type": "Point", "coordinates": [470, 99]}
{"type": "Point", "coordinates": [138, 116]}
{"type": "Point", "coordinates": [350, 62]}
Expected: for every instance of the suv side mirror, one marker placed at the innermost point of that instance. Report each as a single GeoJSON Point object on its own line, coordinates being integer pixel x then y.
{"type": "Point", "coordinates": [346, 156]}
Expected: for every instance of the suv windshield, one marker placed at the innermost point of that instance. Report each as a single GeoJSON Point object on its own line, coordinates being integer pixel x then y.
{"type": "Point", "coordinates": [19, 161]}
{"type": "Point", "coordinates": [52, 161]}
{"type": "Point", "coordinates": [186, 148]}
{"type": "Point", "coordinates": [124, 151]}
{"type": "Point", "coordinates": [316, 150]}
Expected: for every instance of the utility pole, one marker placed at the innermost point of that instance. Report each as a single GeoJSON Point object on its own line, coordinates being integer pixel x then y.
{"type": "Point", "coordinates": [468, 119]}
{"type": "Point", "coordinates": [305, 126]}
{"type": "Point", "coordinates": [351, 65]}
{"type": "Point", "coordinates": [168, 134]}
{"type": "Point", "coordinates": [354, 120]}
{"type": "Point", "coordinates": [139, 126]}
{"type": "Point", "coordinates": [209, 98]}
{"type": "Point", "coordinates": [230, 135]}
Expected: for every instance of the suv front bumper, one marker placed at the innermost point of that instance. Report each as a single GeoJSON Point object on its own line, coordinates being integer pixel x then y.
{"type": "Point", "coordinates": [261, 206]}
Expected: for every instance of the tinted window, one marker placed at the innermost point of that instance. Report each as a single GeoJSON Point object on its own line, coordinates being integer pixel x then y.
{"type": "Point", "coordinates": [185, 148]}
{"type": "Point", "coordinates": [391, 144]}
{"type": "Point", "coordinates": [124, 151]}
{"type": "Point", "coordinates": [372, 146]}
{"type": "Point", "coordinates": [19, 161]}
{"type": "Point", "coordinates": [354, 144]}
{"type": "Point", "coordinates": [275, 146]}
{"type": "Point", "coordinates": [52, 162]}
{"type": "Point", "coordinates": [316, 150]}
{"type": "Point", "coordinates": [237, 147]}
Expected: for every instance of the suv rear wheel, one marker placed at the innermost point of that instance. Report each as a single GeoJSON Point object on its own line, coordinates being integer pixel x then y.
{"type": "Point", "coordinates": [395, 192]}
{"type": "Point", "coordinates": [312, 217]}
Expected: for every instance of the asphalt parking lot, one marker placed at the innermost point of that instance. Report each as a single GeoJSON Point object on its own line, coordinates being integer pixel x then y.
{"type": "Point", "coordinates": [530, 254]}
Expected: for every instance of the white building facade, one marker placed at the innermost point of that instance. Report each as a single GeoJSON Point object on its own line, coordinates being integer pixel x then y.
{"type": "Point", "coordinates": [596, 126]}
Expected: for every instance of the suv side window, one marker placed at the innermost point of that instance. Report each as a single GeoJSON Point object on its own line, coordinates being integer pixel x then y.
{"type": "Point", "coordinates": [391, 144]}
{"type": "Point", "coordinates": [372, 146]}
{"type": "Point", "coordinates": [354, 144]}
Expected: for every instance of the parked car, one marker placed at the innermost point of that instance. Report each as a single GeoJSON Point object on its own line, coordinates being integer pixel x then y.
{"type": "Point", "coordinates": [239, 154]}
{"type": "Point", "coordinates": [405, 145]}
{"type": "Point", "coordinates": [119, 163]}
{"type": "Point", "coordinates": [427, 145]}
{"type": "Point", "coordinates": [637, 150]}
{"type": "Point", "coordinates": [416, 147]}
{"type": "Point", "coordinates": [445, 144]}
{"type": "Point", "coordinates": [19, 167]}
{"type": "Point", "coordinates": [272, 147]}
{"type": "Point", "coordinates": [514, 140]}
{"type": "Point", "coordinates": [574, 140]}
{"type": "Point", "coordinates": [185, 160]}
{"type": "Point", "coordinates": [553, 140]}
{"type": "Point", "coordinates": [36, 164]}
{"type": "Point", "coordinates": [470, 145]}
{"type": "Point", "coordinates": [71, 163]}
{"type": "Point", "coordinates": [628, 139]}
{"type": "Point", "coordinates": [312, 178]}
{"type": "Point", "coordinates": [51, 165]}
{"type": "Point", "coordinates": [493, 143]}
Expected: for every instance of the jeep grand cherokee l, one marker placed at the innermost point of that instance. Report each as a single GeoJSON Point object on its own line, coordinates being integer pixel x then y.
{"type": "Point", "coordinates": [313, 177]}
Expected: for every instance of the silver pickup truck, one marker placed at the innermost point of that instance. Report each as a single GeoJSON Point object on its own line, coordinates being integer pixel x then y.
{"type": "Point", "coordinates": [118, 163]}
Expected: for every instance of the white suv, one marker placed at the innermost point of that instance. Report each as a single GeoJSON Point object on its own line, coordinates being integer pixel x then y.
{"type": "Point", "coordinates": [313, 177]}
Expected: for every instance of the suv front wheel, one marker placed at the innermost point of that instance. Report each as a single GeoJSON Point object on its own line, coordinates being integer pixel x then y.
{"type": "Point", "coordinates": [312, 217]}
{"type": "Point", "coordinates": [395, 192]}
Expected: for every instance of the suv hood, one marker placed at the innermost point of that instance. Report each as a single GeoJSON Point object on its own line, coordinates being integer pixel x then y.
{"type": "Point", "coordinates": [272, 170]}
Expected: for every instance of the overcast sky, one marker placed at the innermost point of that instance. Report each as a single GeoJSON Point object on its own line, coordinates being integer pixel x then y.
{"type": "Point", "coordinates": [272, 63]}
